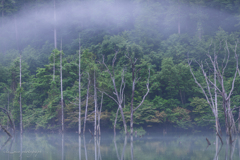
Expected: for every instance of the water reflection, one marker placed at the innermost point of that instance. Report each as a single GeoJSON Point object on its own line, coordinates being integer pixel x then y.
{"type": "Point", "coordinates": [71, 146]}
{"type": "Point", "coordinates": [79, 147]}
{"type": "Point", "coordinates": [123, 150]}
{"type": "Point", "coordinates": [131, 147]}
{"type": "Point", "coordinates": [63, 144]}
{"type": "Point", "coordinates": [85, 148]}
{"type": "Point", "coordinates": [21, 145]}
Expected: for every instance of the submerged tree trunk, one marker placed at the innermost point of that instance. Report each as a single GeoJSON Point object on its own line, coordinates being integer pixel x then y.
{"type": "Point", "coordinates": [85, 118]}
{"type": "Point", "coordinates": [61, 88]}
{"type": "Point", "coordinates": [95, 103]}
{"type": "Point", "coordinates": [79, 89]}
{"type": "Point", "coordinates": [20, 76]}
{"type": "Point", "coordinates": [20, 97]}
{"type": "Point", "coordinates": [99, 117]}
{"type": "Point", "coordinates": [115, 123]}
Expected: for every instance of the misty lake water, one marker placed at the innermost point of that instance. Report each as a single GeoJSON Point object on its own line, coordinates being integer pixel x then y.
{"type": "Point", "coordinates": [152, 146]}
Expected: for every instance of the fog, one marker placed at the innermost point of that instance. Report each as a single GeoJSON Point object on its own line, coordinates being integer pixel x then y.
{"type": "Point", "coordinates": [35, 25]}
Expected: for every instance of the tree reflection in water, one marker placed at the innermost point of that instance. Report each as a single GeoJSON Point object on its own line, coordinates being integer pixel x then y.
{"type": "Point", "coordinates": [71, 146]}
{"type": "Point", "coordinates": [79, 147]}
{"type": "Point", "coordinates": [21, 145]}
{"type": "Point", "coordinates": [123, 150]}
{"type": "Point", "coordinates": [85, 148]}
{"type": "Point", "coordinates": [63, 144]}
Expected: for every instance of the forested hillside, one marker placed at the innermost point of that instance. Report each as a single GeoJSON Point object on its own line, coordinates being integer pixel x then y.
{"type": "Point", "coordinates": [134, 44]}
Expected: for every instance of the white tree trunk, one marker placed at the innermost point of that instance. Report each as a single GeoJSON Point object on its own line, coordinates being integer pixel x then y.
{"type": "Point", "coordinates": [20, 97]}
{"type": "Point", "coordinates": [79, 89]}
{"type": "Point", "coordinates": [95, 102]}
{"type": "Point", "coordinates": [61, 89]}
{"type": "Point", "coordinates": [99, 117]}
{"type": "Point", "coordinates": [55, 38]}
{"type": "Point", "coordinates": [85, 118]}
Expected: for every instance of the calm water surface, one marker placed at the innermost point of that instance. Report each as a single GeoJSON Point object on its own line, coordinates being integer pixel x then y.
{"type": "Point", "coordinates": [152, 146]}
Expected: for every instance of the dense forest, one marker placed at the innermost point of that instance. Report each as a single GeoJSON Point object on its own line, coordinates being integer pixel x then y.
{"type": "Point", "coordinates": [158, 64]}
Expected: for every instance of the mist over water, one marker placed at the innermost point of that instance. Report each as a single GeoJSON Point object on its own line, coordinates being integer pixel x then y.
{"type": "Point", "coordinates": [150, 146]}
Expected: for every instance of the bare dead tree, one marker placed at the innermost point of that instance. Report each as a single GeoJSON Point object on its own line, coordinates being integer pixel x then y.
{"type": "Point", "coordinates": [9, 118]}
{"type": "Point", "coordinates": [61, 88]}
{"type": "Point", "coordinates": [99, 117]}
{"type": "Point", "coordinates": [5, 130]}
{"type": "Point", "coordinates": [135, 79]}
{"type": "Point", "coordinates": [54, 36]}
{"type": "Point", "coordinates": [229, 119]}
{"type": "Point", "coordinates": [95, 104]}
{"type": "Point", "coordinates": [85, 118]}
{"type": "Point", "coordinates": [20, 74]}
{"type": "Point", "coordinates": [119, 94]}
{"type": "Point", "coordinates": [115, 123]}
{"type": "Point", "coordinates": [79, 89]}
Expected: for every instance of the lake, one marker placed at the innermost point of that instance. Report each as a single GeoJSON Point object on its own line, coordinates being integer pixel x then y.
{"type": "Point", "coordinates": [152, 146]}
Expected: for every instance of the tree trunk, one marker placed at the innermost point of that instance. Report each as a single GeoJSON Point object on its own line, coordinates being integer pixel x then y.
{"type": "Point", "coordinates": [55, 30]}
{"type": "Point", "coordinates": [239, 119]}
{"type": "Point", "coordinates": [8, 110]}
{"type": "Point", "coordinates": [20, 97]}
{"type": "Point", "coordinates": [119, 94]}
{"type": "Point", "coordinates": [95, 102]}
{"type": "Point", "coordinates": [2, 11]}
{"type": "Point", "coordinates": [79, 89]}
{"type": "Point", "coordinates": [55, 39]}
{"type": "Point", "coordinates": [132, 98]}
{"type": "Point", "coordinates": [179, 25]}
{"type": "Point", "coordinates": [230, 123]}
{"type": "Point", "coordinates": [61, 88]}
{"type": "Point", "coordinates": [115, 123]}
{"type": "Point", "coordinates": [85, 118]}
{"type": "Point", "coordinates": [99, 117]}
{"type": "Point", "coordinates": [215, 95]}
{"type": "Point", "coordinates": [124, 122]}
{"type": "Point", "coordinates": [2, 32]}
{"type": "Point", "coordinates": [20, 76]}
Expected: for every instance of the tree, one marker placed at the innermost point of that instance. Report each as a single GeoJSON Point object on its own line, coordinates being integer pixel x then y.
{"type": "Point", "coordinates": [119, 94]}
{"type": "Point", "coordinates": [79, 89]}
{"type": "Point", "coordinates": [87, 97]}
{"type": "Point", "coordinates": [135, 79]}
{"type": "Point", "coordinates": [61, 88]}
{"type": "Point", "coordinates": [95, 103]}
{"type": "Point", "coordinates": [219, 72]}
{"type": "Point", "coordinates": [55, 37]}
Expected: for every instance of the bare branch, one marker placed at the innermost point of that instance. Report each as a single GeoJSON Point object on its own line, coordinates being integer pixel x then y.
{"type": "Point", "coordinates": [230, 93]}
{"type": "Point", "coordinates": [228, 53]}
{"type": "Point", "coordinates": [146, 92]}
{"type": "Point", "coordinates": [189, 63]}
{"type": "Point", "coordinates": [108, 95]}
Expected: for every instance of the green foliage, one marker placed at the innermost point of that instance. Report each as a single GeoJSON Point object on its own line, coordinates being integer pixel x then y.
{"type": "Point", "coordinates": [146, 31]}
